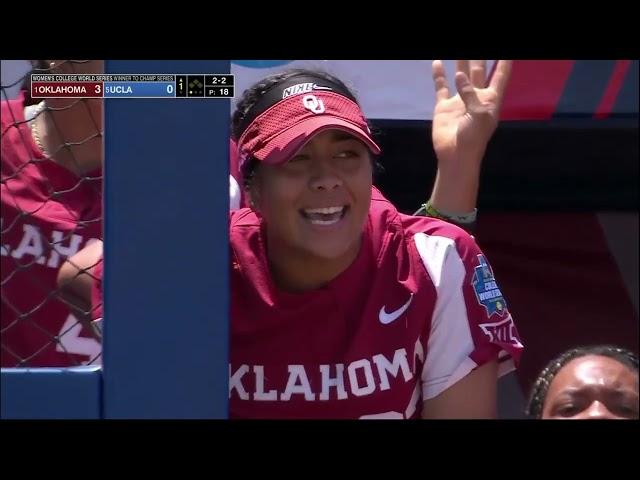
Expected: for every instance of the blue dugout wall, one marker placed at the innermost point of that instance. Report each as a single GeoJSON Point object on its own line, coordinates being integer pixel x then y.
{"type": "Point", "coordinates": [165, 349]}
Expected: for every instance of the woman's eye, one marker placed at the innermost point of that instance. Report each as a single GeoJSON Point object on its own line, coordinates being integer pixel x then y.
{"type": "Point", "coordinates": [299, 158]}
{"type": "Point", "coordinates": [568, 410]}
{"type": "Point", "coordinates": [347, 154]}
{"type": "Point", "coordinates": [627, 411]}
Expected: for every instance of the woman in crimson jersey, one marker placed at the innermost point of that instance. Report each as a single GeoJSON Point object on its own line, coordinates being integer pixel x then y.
{"type": "Point", "coordinates": [342, 307]}
{"type": "Point", "coordinates": [51, 208]}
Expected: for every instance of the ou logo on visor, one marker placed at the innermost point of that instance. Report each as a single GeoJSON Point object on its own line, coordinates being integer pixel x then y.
{"type": "Point", "coordinates": [313, 103]}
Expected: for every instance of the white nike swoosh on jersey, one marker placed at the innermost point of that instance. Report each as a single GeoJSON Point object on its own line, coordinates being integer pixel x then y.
{"type": "Point", "coordinates": [387, 318]}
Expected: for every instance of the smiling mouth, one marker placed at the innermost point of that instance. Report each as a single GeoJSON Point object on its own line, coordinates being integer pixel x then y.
{"type": "Point", "coordinates": [324, 216]}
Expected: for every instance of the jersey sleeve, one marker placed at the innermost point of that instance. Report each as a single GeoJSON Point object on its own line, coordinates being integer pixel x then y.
{"type": "Point", "coordinates": [471, 324]}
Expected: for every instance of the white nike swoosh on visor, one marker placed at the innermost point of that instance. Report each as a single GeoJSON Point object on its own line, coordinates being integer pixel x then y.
{"type": "Point", "coordinates": [387, 318]}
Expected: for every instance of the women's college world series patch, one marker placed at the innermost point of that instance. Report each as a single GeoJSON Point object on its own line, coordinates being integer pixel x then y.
{"type": "Point", "coordinates": [487, 291]}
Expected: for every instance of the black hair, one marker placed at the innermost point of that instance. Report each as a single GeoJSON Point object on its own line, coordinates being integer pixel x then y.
{"type": "Point", "coordinates": [544, 380]}
{"type": "Point", "coordinates": [251, 96]}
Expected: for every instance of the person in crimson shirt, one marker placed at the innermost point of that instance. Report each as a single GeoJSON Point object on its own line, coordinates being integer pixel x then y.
{"type": "Point", "coordinates": [341, 307]}
{"type": "Point", "coordinates": [306, 317]}
{"type": "Point", "coordinates": [80, 277]}
{"type": "Point", "coordinates": [51, 208]}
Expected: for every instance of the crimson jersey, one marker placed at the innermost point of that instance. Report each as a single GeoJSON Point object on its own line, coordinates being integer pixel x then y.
{"type": "Point", "coordinates": [63, 213]}
{"type": "Point", "coordinates": [417, 311]}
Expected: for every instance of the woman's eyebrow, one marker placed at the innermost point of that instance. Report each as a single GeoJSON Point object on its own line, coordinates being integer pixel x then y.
{"type": "Point", "coordinates": [339, 136]}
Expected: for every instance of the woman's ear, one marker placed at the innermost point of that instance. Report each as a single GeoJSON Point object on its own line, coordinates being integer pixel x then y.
{"type": "Point", "coordinates": [252, 202]}
{"type": "Point", "coordinates": [252, 188]}
{"type": "Point", "coordinates": [252, 193]}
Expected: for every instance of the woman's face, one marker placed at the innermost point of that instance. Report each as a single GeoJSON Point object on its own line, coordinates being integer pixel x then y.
{"type": "Point", "coordinates": [318, 201]}
{"type": "Point", "coordinates": [592, 387]}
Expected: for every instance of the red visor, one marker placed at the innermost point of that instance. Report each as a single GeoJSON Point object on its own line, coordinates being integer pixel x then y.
{"type": "Point", "coordinates": [281, 131]}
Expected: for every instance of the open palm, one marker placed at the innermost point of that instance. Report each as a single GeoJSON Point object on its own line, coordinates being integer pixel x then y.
{"type": "Point", "coordinates": [464, 123]}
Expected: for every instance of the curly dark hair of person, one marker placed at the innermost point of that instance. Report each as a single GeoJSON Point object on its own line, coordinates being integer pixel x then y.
{"type": "Point", "coordinates": [544, 380]}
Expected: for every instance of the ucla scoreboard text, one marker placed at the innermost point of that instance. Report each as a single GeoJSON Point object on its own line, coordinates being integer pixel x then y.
{"type": "Point", "coordinates": [132, 86]}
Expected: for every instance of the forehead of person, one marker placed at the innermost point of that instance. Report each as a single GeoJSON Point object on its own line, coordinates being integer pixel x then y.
{"type": "Point", "coordinates": [593, 387]}
{"type": "Point", "coordinates": [313, 183]}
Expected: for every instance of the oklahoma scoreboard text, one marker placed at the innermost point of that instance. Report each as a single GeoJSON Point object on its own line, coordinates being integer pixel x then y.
{"type": "Point", "coordinates": [132, 86]}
